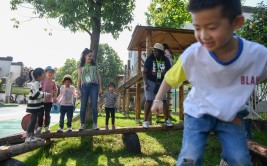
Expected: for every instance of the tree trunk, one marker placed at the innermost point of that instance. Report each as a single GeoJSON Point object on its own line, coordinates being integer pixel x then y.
{"type": "Point", "coordinates": [95, 36]}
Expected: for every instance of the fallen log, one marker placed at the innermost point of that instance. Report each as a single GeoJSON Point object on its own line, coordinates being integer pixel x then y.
{"type": "Point", "coordinates": [6, 152]}
{"type": "Point", "coordinates": [124, 130]}
{"type": "Point", "coordinates": [13, 139]}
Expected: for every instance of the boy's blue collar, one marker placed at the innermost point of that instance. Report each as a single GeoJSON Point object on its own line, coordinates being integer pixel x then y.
{"type": "Point", "coordinates": [240, 49]}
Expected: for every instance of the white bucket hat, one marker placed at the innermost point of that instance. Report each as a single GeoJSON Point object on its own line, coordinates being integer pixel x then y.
{"type": "Point", "coordinates": [159, 46]}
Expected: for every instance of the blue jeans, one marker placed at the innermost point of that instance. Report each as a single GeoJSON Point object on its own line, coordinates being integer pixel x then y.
{"type": "Point", "coordinates": [89, 90]}
{"type": "Point", "coordinates": [231, 136]}
{"type": "Point", "coordinates": [63, 111]}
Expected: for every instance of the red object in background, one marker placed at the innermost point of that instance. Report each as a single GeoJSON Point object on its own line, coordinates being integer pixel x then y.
{"type": "Point", "coordinates": [26, 121]}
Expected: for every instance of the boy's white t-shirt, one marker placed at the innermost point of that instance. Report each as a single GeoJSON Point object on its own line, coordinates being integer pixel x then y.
{"type": "Point", "coordinates": [219, 89]}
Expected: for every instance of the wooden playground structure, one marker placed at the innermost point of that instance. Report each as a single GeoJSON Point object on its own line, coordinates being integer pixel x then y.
{"type": "Point", "coordinates": [143, 38]}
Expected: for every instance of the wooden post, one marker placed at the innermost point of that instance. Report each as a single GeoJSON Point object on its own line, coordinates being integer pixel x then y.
{"type": "Point", "coordinates": [129, 69]}
{"type": "Point", "coordinates": [148, 43]}
{"type": "Point", "coordinates": [138, 89]}
{"type": "Point", "coordinates": [119, 102]}
{"type": "Point", "coordinates": [123, 100]}
{"type": "Point", "coordinates": [127, 102]}
{"type": "Point", "coordinates": [138, 103]}
{"type": "Point", "coordinates": [125, 74]}
{"type": "Point", "coordinates": [181, 106]}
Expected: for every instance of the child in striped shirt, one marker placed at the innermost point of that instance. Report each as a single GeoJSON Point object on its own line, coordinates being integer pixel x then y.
{"type": "Point", "coordinates": [110, 104]}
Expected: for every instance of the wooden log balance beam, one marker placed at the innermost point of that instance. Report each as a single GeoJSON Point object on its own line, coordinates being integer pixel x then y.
{"type": "Point", "coordinates": [6, 152]}
{"type": "Point", "coordinates": [123, 130]}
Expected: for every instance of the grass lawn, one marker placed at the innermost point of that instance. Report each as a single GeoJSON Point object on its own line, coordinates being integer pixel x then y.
{"type": "Point", "coordinates": [158, 148]}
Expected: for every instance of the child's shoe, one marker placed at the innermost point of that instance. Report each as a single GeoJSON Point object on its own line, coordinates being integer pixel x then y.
{"type": "Point", "coordinates": [168, 123]}
{"type": "Point", "coordinates": [96, 127]}
{"type": "Point", "coordinates": [69, 129]}
{"type": "Point", "coordinates": [146, 124]}
{"type": "Point", "coordinates": [82, 127]}
{"type": "Point", "coordinates": [113, 127]}
{"type": "Point", "coordinates": [39, 130]}
{"type": "Point", "coordinates": [32, 139]}
{"type": "Point", "coordinates": [106, 127]}
{"type": "Point", "coordinates": [59, 130]}
{"type": "Point", "coordinates": [47, 129]}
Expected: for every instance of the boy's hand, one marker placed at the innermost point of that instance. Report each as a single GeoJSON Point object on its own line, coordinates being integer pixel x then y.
{"type": "Point", "coordinates": [157, 107]}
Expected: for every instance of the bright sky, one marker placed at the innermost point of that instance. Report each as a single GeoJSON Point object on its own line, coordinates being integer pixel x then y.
{"type": "Point", "coordinates": [33, 46]}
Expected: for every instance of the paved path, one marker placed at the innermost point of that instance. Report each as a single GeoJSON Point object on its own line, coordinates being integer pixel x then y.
{"type": "Point", "coordinates": [10, 119]}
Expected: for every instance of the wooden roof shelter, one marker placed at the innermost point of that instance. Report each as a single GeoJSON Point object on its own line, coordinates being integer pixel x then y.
{"type": "Point", "coordinates": [144, 38]}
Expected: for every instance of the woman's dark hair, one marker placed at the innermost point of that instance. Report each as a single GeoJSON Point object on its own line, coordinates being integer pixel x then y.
{"type": "Point", "coordinates": [111, 84]}
{"type": "Point", "coordinates": [34, 74]}
{"type": "Point", "coordinates": [84, 53]}
{"type": "Point", "coordinates": [230, 8]}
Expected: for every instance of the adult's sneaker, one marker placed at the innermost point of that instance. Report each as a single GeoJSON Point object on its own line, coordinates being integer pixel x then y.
{"type": "Point", "coordinates": [168, 123]}
{"type": "Point", "coordinates": [69, 129]}
{"type": "Point", "coordinates": [39, 130]}
{"type": "Point", "coordinates": [82, 127]}
{"type": "Point", "coordinates": [146, 124]}
{"type": "Point", "coordinates": [95, 127]}
{"type": "Point", "coordinates": [59, 130]}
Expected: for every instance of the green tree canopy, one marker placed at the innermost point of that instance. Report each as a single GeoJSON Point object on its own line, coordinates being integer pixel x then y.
{"type": "Point", "coordinates": [167, 13]}
{"type": "Point", "coordinates": [255, 29]}
{"type": "Point", "coordinates": [110, 64]}
{"type": "Point", "coordinates": [91, 16]}
{"type": "Point", "coordinates": [70, 67]}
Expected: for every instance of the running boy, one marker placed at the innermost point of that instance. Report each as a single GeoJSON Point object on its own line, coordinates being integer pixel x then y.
{"type": "Point", "coordinates": [49, 86]}
{"type": "Point", "coordinates": [110, 104]}
{"type": "Point", "coordinates": [223, 70]}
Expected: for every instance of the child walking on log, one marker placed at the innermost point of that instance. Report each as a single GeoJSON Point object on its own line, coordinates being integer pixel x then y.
{"type": "Point", "coordinates": [66, 101]}
{"type": "Point", "coordinates": [223, 69]}
{"type": "Point", "coordinates": [49, 86]}
{"type": "Point", "coordinates": [35, 102]}
{"type": "Point", "coordinates": [110, 104]}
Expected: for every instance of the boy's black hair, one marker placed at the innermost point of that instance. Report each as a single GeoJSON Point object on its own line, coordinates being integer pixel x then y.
{"type": "Point", "coordinates": [34, 74]}
{"type": "Point", "coordinates": [230, 8]}
{"type": "Point", "coordinates": [111, 84]}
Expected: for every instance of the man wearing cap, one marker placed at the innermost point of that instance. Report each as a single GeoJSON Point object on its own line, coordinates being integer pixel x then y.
{"type": "Point", "coordinates": [155, 67]}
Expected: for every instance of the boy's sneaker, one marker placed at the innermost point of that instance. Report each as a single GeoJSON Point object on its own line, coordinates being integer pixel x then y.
{"type": "Point", "coordinates": [32, 139]}
{"type": "Point", "coordinates": [168, 123]}
{"type": "Point", "coordinates": [113, 127]}
{"type": "Point", "coordinates": [146, 124]}
{"type": "Point", "coordinates": [82, 127]}
{"type": "Point", "coordinates": [59, 130]}
{"type": "Point", "coordinates": [96, 127]}
{"type": "Point", "coordinates": [47, 129]}
{"type": "Point", "coordinates": [69, 129]}
{"type": "Point", "coordinates": [39, 130]}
